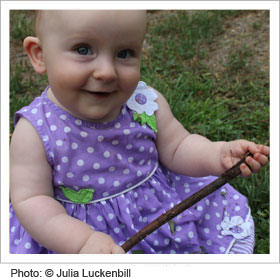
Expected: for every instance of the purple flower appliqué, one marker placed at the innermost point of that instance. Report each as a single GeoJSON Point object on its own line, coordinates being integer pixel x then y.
{"type": "Point", "coordinates": [143, 100]}
{"type": "Point", "coordinates": [236, 227]}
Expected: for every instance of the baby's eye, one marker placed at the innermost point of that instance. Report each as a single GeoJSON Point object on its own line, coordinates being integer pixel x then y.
{"type": "Point", "coordinates": [83, 50]}
{"type": "Point", "coordinates": [125, 54]}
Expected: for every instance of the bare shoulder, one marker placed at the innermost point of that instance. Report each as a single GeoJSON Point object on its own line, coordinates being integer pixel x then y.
{"type": "Point", "coordinates": [170, 131]}
{"type": "Point", "coordinates": [30, 172]}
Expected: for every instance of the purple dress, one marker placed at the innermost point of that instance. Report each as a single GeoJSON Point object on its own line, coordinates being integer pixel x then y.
{"type": "Point", "coordinates": [108, 175]}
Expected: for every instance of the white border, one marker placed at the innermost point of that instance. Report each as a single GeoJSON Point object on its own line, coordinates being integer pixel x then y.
{"type": "Point", "coordinates": [273, 6]}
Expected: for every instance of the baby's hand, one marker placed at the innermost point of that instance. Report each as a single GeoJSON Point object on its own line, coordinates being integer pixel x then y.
{"type": "Point", "coordinates": [233, 151]}
{"type": "Point", "coordinates": [101, 243]}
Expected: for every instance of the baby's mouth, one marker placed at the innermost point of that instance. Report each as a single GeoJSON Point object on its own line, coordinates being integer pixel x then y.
{"type": "Point", "coordinates": [99, 93]}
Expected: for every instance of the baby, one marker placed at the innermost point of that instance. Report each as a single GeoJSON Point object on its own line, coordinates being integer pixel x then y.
{"type": "Point", "coordinates": [96, 157]}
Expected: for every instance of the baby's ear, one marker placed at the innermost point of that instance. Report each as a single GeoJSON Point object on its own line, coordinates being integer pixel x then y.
{"type": "Point", "coordinates": [34, 50]}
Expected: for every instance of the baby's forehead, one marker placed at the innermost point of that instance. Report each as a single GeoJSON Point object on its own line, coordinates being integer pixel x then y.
{"type": "Point", "coordinates": [47, 19]}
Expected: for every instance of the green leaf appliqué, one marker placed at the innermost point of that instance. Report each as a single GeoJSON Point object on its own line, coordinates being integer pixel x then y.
{"type": "Point", "coordinates": [82, 196]}
{"type": "Point", "coordinates": [145, 119]}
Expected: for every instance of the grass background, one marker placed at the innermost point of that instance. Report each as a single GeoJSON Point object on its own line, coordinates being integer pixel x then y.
{"type": "Point", "coordinates": [217, 84]}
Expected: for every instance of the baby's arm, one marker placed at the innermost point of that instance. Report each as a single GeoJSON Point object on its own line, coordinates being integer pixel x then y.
{"type": "Point", "coordinates": [195, 155]}
{"type": "Point", "coordinates": [32, 198]}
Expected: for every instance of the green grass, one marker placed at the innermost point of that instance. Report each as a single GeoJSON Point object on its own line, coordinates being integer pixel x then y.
{"type": "Point", "coordinates": [229, 105]}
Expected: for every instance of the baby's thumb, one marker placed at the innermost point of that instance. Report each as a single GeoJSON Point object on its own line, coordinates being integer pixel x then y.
{"type": "Point", "coordinates": [118, 250]}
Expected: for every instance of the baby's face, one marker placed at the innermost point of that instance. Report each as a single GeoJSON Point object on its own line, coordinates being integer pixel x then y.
{"type": "Point", "coordinates": [92, 59]}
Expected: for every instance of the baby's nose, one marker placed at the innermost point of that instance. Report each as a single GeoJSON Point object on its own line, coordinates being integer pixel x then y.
{"type": "Point", "coordinates": [104, 70]}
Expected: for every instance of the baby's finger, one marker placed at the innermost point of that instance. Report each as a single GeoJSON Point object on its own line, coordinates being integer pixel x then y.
{"type": "Point", "coordinates": [262, 159]}
{"type": "Point", "coordinates": [245, 170]}
{"type": "Point", "coordinates": [118, 250]}
{"type": "Point", "coordinates": [254, 165]}
{"type": "Point", "coordinates": [264, 150]}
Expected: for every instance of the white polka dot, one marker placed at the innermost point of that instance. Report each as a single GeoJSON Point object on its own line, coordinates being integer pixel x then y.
{"type": "Point", "coordinates": [70, 175]}
{"type": "Point", "coordinates": [106, 154]}
{"type": "Point", "coordinates": [209, 242]}
{"type": "Point", "coordinates": [80, 162]}
{"type": "Point", "coordinates": [74, 146]}
{"type": "Point", "coordinates": [53, 127]}
{"type": "Point", "coordinates": [225, 202]}
{"type": "Point", "coordinates": [117, 125]}
{"type": "Point", "coordinates": [96, 166]}
{"type": "Point", "coordinates": [78, 122]}
{"type": "Point", "coordinates": [59, 143]}
{"type": "Point", "coordinates": [128, 147]}
{"type": "Point", "coordinates": [200, 183]}
{"type": "Point", "coordinates": [27, 245]}
{"type": "Point", "coordinates": [237, 208]}
{"type": "Point", "coordinates": [116, 183]}
{"type": "Point", "coordinates": [135, 194]}
{"type": "Point", "coordinates": [45, 138]}
{"type": "Point", "coordinates": [206, 230]}
{"type": "Point", "coordinates": [17, 241]}
{"type": "Point", "coordinates": [207, 202]}
{"type": "Point", "coordinates": [130, 159]}
{"type": "Point", "coordinates": [141, 149]}
{"type": "Point", "coordinates": [101, 181]}
{"type": "Point", "coordinates": [105, 194]}
{"type": "Point", "coordinates": [166, 241]}
{"type": "Point", "coordinates": [154, 210]}
{"type": "Point", "coordinates": [218, 215]}
{"type": "Point", "coordinates": [127, 211]}
{"type": "Point", "coordinates": [13, 228]}
{"type": "Point", "coordinates": [215, 204]}
{"type": "Point", "coordinates": [126, 132]}
{"type": "Point", "coordinates": [119, 156]}
{"type": "Point", "coordinates": [145, 219]}
{"type": "Point", "coordinates": [112, 168]}
{"type": "Point", "coordinates": [145, 197]}
{"type": "Point", "coordinates": [67, 129]}
{"type": "Point", "coordinates": [186, 185]}
{"type": "Point", "coordinates": [115, 142]}
{"type": "Point", "coordinates": [222, 249]}
{"type": "Point", "coordinates": [84, 134]}
{"type": "Point", "coordinates": [218, 227]}
{"type": "Point", "coordinates": [178, 228]}
{"type": "Point", "coordinates": [156, 243]}
{"type": "Point", "coordinates": [99, 218]}
{"type": "Point", "coordinates": [90, 150]}
{"type": "Point", "coordinates": [34, 111]}
{"type": "Point", "coordinates": [126, 171]}
{"type": "Point", "coordinates": [139, 135]}
{"type": "Point", "coordinates": [199, 208]}
{"type": "Point", "coordinates": [40, 122]}
{"type": "Point", "coordinates": [141, 162]}
{"type": "Point", "coordinates": [100, 138]}
{"type": "Point", "coordinates": [85, 178]}
{"type": "Point", "coordinates": [172, 252]}
{"type": "Point", "coordinates": [151, 149]}
{"type": "Point", "coordinates": [48, 114]}
{"type": "Point", "coordinates": [236, 196]}
{"type": "Point", "coordinates": [190, 234]}
{"type": "Point", "coordinates": [187, 190]}
{"type": "Point", "coordinates": [58, 167]}
{"type": "Point", "coordinates": [139, 173]}
{"type": "Point", "coordinates": [116, 230]}
{"type": "Point", "coordinates": [178, 240]}
{"type": "Point", "coordinates": [63, 117]}
{"type": "Point", "coordinates": [132, 124]}
{"type": "Point", "coordinates": [111, 216]}
{"type": "Point", "coordinates": [207, 217]}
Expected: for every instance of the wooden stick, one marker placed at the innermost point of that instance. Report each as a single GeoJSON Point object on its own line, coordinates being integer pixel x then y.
{"type": "Point", "coordinates": [183, 205]}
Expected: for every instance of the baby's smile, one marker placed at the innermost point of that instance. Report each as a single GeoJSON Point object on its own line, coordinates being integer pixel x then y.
{"type": "Point", "coordinates": [100, 93]}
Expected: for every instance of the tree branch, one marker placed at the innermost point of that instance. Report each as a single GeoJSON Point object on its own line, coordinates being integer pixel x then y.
{"type": "Point", "coordinates": [183, 205]}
